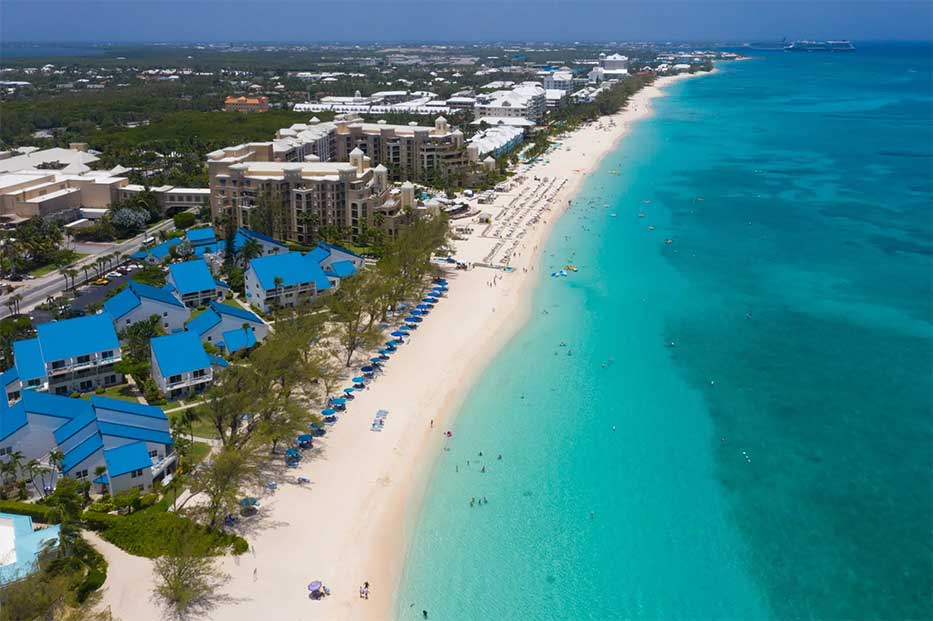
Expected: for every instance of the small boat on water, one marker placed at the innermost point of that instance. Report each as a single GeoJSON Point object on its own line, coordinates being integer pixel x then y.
{"type": "Point", "coordinates": [614, 172]}
{"type": "Point", "coordinates": [650, 227]}
{"type": "Point", "coordinates": [570, 268]}
{"type": "Point", "coordinates": [641, 215]}
{"type": "Point", "coordinates": [668, 241]}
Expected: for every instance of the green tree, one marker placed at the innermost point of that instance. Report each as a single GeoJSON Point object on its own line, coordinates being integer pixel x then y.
{"type": "Point", "coordinates": [187, 579]}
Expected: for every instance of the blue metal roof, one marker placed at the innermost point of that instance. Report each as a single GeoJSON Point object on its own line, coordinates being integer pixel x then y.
{"type": "Point", "coordinates": [235, 340]}
{"type": "Point", "coordinates": [127, 458]}
{"type": "Point", "coordinates": [154, 293]}
{"type": "Point", "coordinates": [133, 432]}
{"type": "Point", "coordinates": [249, 233]}
{"type": "Point", "coordinates": [328, 246]}
{"type": "Point", "coordinates": [27, 355]}
{"type": "Point", "coordinates": [12, 419]}
{"type": "Point", "coordinates": [160, 251]}
{"type": "Point", "coordinates": [342, 269]}
{"type": "Point", "coordinates": [73, 426]}
{"type": "Point", "coordinates": [181, 352]}
{"type": "Point", "coordinates": [319, 253]}
{"type": "Point", "coordinates": [201, 236]}
{"type": "Point", "coordinates": [8, 377]}
{"type": "Point", "coordinates": [130, 407]}
{"type": "Point", "coordinates": [292, 267]}
{"type": "Point", "coordinates": [191, 276]}
{"type": "Point", "coordinates": [121, 303]}
{"type": "Point", "coordinates": [220, 362]}
{"type": "Point", "coordinates": [54, 405]}
{"type": "Point", "coordinates": [203, 322]}
{"type": "Point", "coordinates": [235, 311]}
{"type": "Point", "coordinates": [81, 452]}
{"type": "Point", "coordinates": [74, 337]}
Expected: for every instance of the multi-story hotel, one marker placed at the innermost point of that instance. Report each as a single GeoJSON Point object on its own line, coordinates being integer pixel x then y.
{"type": "Point", "coordinates": [412, 152]}
{"type": "Point", "coordinates": [246, 104]}
{"type": "Point", "coordinates": [347, 195]}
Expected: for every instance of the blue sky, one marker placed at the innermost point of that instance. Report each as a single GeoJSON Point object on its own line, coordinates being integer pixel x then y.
{"type": "Point", "coordinates": [460, 20]}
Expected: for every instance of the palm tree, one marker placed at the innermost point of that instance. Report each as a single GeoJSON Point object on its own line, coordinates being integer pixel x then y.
{"type": "Point", "coordinates": [73, 273]}
{"type": "Point", "coordinates": [16, 462]}
{"type": "Point", "coordinates": [16, 299]}
{"type": "Point", "coordinates": [85, 267]}
{"type": "Point", "coordinates": [278, 290]}
{"type": "Point", "coordinates": [10, 304]}
{"type": "Point", "coordinates": [250, 250]}
{"type": "Point", "coordinates": [56, 457]}
{"type": "Point", "coordinates": [100, 471]}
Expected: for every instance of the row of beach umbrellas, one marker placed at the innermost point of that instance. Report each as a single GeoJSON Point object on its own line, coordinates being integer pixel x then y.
{"type": "Point", "coordinates": [415, 316]}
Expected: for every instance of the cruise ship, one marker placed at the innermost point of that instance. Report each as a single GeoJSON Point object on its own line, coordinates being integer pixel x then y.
{"type": "Point", "coordinates": [820, 46]}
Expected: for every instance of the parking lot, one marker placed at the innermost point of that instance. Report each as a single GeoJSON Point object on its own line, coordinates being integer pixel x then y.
{"type": "Point", "coordinates": [91, 293]}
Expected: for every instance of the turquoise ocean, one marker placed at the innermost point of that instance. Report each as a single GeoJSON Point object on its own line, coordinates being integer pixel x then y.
{"type": "Point", "coordinates": [735, 425]}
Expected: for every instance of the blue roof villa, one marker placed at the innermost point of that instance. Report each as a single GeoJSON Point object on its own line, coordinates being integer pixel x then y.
{"type": "Point", "coordinates": [290, 279]}
{"type": "Point", "coordinates": [139, 302]}
{"type": "Point", "coordinates": [131, 440]}
{"type": "Point", "coordinates": [193, 283]}
{"type": "Point", "coordinates": [228, 327]}
{"type": "Point", "coordinates": [180, 365]}
{"type": "Point", "coordinates": [72, 355]}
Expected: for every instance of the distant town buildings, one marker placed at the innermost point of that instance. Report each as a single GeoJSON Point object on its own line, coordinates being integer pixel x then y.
{"type": "Point", "coordinates": [258, 103]}
{"type": "Point", "coordinates": [527, 100]}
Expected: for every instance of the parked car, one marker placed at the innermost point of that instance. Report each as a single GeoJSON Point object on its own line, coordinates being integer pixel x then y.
{"type": "Point", "coordinates": [101, 281]}
{"type": "Point", "coordinates": [114, 274]}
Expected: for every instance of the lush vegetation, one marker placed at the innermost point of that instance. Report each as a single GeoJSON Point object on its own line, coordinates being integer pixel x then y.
{"type": "Point", "coordinates": [152, 533]}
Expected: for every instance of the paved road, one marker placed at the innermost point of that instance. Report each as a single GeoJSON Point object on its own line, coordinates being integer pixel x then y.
{"type": "Point", "coordinates": [36, 291]}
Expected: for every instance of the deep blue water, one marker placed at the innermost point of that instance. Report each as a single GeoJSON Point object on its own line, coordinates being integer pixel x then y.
{"type": "Point", "coordinates": [739, 426]}
{"type": "Point", "coordinates": [45, 50]}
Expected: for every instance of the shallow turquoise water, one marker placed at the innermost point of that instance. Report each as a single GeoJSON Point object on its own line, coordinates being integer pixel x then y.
{"type": "Point", "coordinates": [776, 462]}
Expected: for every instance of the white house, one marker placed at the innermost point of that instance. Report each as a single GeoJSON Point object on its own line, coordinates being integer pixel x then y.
{"type": "Point", "coordinates": [193, 283]}
{"type": "Point", "coordinates": [131, 440]}
{"type": "Point", "coordinates": [139, 302]}
{"type": "Point", "coordinates": [180, 365]}
{"type": "Point", "coordinates": [231, 328]}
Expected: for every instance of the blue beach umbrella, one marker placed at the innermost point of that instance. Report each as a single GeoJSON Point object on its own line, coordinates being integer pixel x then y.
{"type": "Point", "coordinates": [404, 327]}
{"type": "Point", "coordinates": [338, 401]}
{"type": "Point", "coordinates": [305, 437]}
{"type": "Point", "coordinates": [416, 313]}
{"type": "Point", "coordinates": [429, 300]}
{"type": "Point", "coordinates": [424, 307]}
{"type": "Point", "coordinates": [411, 320]}
{"type": "Point", "coordinates": [292, 453]}
{"type": "Point", "coordinates": [441, 282]}
{"type": "Point", "coordinates": [349, 390]}
{"type": "Point", "coordinates": [249, 501]}
{"type": "Point", "coordinates": [359, 379]}
{"type": "Point", "coordinates": [328, 411]}
{"type": "Point", "coordinates": [399, 334]}
{"type": "Point", "coordinates": [367, 369]}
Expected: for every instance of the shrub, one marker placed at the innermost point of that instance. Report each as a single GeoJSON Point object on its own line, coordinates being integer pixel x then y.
{"type": "Point", "coordinates": [150, 533]}
{"type": "Point", "coordinates": [40, 513]}
{"type": "Point", "coordinates": [93, 581]}
{"type": "Point", "coordinates": [98, 521]}
{"type": "Point", "coordinates": [100, 390]}
{"type": "Point", "coordinates": [184, 220]}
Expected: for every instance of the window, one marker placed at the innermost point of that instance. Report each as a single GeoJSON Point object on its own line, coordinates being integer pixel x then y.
{"type": "Point", "coordinates": [58, 364]}
{"type": "Point", "coordinates": [140, 487]}
{"type": "Point", "coordinates": [61, 390]}
{"type": "Point", "coordinates": [6, 450]}
{"type": "Point", "coordinates": [81, 474]}
{"type": "Point", "coordinates": [127, 322]}
{"type": "Point", "coordinates": [33, 382]}
{"type": "Point", "coordinates": [153, 453]}
{"type": "Point", "coordinates": [165, 314]}
{"type": "Point", "coordinates": [134, 474]}
{"type": "Point", "coordinates": [199, 373]}
{"type": "Point", "coordinates": [107, 354]}
{"type": "Point", "coordinates": [83, 359]}
{"type": "Point", "coordinates": [86, 385]}
{"type": "Point", "coordinates": [13, 396]}
{"type": "Point", "coordinates": [174, 378]}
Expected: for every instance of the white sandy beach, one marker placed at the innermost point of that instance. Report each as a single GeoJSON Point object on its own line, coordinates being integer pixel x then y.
{"type": "Point", "coordinates": [351, 523]}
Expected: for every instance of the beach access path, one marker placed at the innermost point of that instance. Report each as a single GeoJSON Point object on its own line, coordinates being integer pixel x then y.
{"type": "Point", "coordinates": [352, 523]}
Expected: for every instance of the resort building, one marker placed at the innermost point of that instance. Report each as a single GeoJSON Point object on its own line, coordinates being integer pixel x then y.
{"type": "Point", "coordinates": [526, 100]}
{"type": "Point", "coordinates": [230, 328]}
{"type": "Point", "coordinates": [139, 302]}
{"type": "Point", "coordinates": [561, 80]}
{"type": "Point", "coordinates": [180, 365]}
{"type": "Point", "coordinates": [313, 194]}
{"type": "Point", "coordinates": [412, 152]}
{"type": "Point", "coordinates": [207, 245]}
{"type": "Point", "coordinates": [169, 198]}
{"type": "Point", "coordinates": [71, 355]}
{"type": "Point", "coordinates": [242, 103]}
{"type": "Point", "coordinates": [494, 141]}
{"type": "Point", "coordinates": [291, 279]}
{"type": "Point", "coordinates": [131, 440]}
{"type": "Point", "coordinates": [193, 283]}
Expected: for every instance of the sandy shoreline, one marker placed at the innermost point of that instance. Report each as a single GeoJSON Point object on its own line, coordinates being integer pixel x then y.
{"type": "Point", "coordinates": [352, 524]}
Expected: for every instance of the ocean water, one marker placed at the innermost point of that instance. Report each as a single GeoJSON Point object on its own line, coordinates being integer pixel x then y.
{"type": "Point", "coordinates": [735, 425]}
